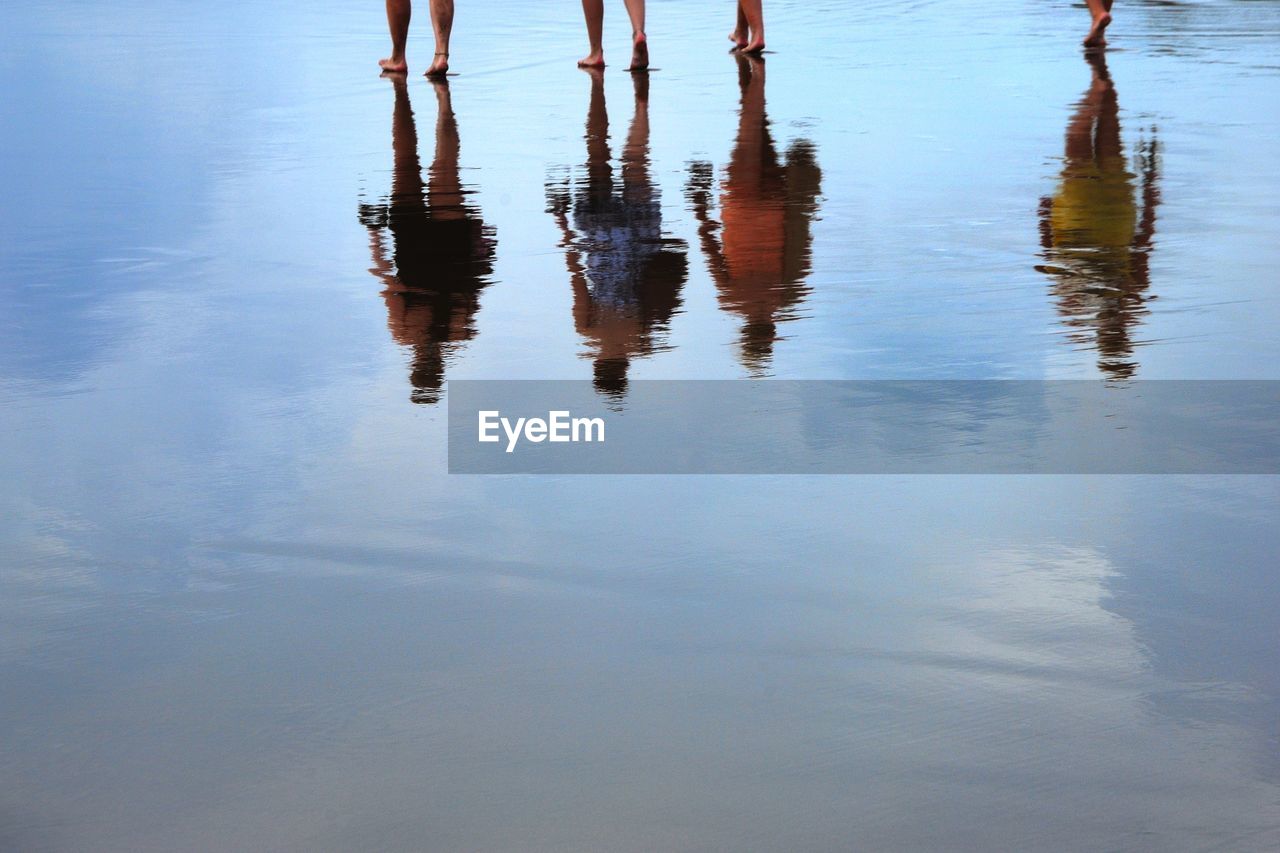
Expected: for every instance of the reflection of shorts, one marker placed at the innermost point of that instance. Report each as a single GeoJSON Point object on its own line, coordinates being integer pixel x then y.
{"type": "Point", "coordinates": [440, 253]}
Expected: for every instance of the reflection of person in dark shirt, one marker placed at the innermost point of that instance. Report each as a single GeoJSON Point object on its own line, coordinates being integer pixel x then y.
{"type": "Point", "coordinates": [760, 257]}
{"type": "Point", "coordinates": [443, 251]}
{"type": "Point", "coordinates": [626, 275]}
{"type": "Point", "coordinates": [1096, 241]}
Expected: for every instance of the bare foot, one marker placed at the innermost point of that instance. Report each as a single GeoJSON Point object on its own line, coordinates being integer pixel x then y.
{"type": "Point", "coordinates": [738, 38]}
{"type": "Point", "coordinates": [394, 64]}
{"type": "Point", "coordinates": [639, 53]}
{"type": "Point", "coordinates": [756, 45]}
{"type": "Point", "coordinates": [595, 59]}
{"type": "Point", "coordinates": [1097, 32]}
{"type": "Point", "coordinates": [439, 66]}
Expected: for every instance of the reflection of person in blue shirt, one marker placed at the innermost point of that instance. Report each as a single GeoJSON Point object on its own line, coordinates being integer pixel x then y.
{"type": "Point", "coordinates": [624, 234]}
{"type": "Point", "coordinates": [626, 275]}
{"type": "Point", "coordinates": [443, 250]}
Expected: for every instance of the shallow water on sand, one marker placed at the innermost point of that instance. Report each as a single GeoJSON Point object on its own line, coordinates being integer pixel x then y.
{"type": "Point", "coordinates": [242, 606]}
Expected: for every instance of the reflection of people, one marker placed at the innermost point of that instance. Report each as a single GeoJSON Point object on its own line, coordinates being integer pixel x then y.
{"type": "Point", "coordinates": [761, 257]}
{"type": "Point", "coordinates": [1096, 240]}
{"type": "Point", "coordinates": [443, 252]}
{"type": "Point", "coordinates": [398, 14]}
{"type": "Point", "coordinates": [748, 33]}
{"type": "Point", "coordinates": [626, 275]}
{"type": "Point", "coordinates": [593, 11]}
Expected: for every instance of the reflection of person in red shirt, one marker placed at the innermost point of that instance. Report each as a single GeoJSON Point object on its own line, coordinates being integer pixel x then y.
{"type": "Point", "coordinates": [761, 256]}
{"type": "Point", "coordinates": [443, 251]}
{"type": "Point", "coordinates": [626, 275]}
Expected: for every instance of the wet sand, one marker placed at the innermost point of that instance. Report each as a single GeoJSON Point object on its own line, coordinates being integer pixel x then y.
{"type": "Point", "coordinates": [243, 607]}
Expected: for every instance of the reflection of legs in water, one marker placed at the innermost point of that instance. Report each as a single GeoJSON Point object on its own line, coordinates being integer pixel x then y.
{"type": "Point", "coordinates": [753, 144]}
{"type": "Point", "coordinates": [1093, 135]}
{"type": "Point", "coordinates": [1100, 12]}
{"type": "Point", "coordinates": [406, 175]}
{"type": "Point", "coordinates": [398, 13]}
{"type": "Point", "coordinates": [1106, 136]}
{"type": "Point", "coordinates": [442, 25]}
{"type": "Point", "coordinates": [635, 151]}
{"type": "Point", "coordinates": [444, 188]}
{"type": "Point", "coordinates": [599, 172]}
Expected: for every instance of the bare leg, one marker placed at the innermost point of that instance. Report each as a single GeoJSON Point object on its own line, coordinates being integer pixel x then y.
{"type": "Point", "coordinates": [442, 24]}
{"type": "Point", "coordinates": [593, 11]}
{"type": "Point", "coordinates": [398, 13]}
{"type": "Point", "coordinates": [1100, 11]}
{"type": "Point", "coordinates": [741, 30]}
{"type": "Point", "coordinates": [639, 42]}
{"type": "Point", "coordinates": [753, 11]}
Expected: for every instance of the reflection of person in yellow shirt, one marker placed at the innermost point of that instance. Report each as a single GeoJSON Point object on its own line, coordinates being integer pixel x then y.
{"type": "Point", "coordinates": [443, 251]}
{"type": "Point", "coordinates": [1096, 240]}
{"type": "Point", "coordinates": [626, 273]}
{"type": "Point", "coordinates": [760, 257]}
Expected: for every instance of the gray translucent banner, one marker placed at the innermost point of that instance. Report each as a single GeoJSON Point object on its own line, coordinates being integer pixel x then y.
{"type": "Point", "coordinates": [865, 427]}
